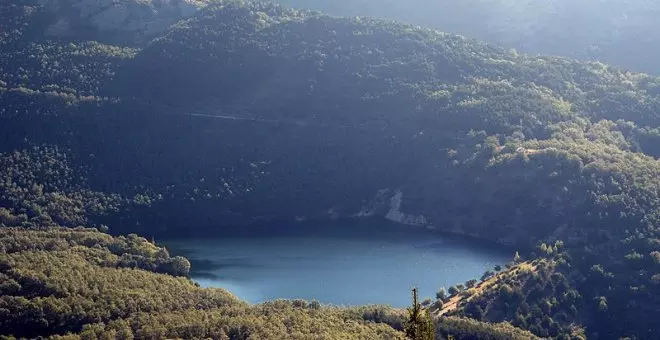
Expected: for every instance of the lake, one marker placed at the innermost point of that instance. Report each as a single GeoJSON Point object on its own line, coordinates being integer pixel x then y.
{"type": "Point", "coordinates": [340, 269]}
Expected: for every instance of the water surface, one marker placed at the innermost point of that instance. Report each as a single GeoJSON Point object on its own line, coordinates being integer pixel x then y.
{"type": "Point", "coordinates": [337, 269]}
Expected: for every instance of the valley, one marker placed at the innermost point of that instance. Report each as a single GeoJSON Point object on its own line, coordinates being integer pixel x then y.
{"type": "Point", "coordinates": [239, 134]}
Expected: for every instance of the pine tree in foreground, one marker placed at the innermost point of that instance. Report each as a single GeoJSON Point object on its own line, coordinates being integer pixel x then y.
{"type": "Point", "coordinates": [419, 325]}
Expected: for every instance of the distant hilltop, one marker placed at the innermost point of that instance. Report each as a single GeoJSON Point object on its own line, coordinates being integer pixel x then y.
{"type": "Point", "coordinates": [132, 19]}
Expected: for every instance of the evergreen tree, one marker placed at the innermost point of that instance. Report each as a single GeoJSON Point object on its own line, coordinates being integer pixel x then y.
{"type": "Point", "coordinates": [419, 325]}
{"type": "Point", "coordinates": [516, 258]}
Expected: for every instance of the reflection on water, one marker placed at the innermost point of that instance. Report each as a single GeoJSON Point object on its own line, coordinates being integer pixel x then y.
{"type": "Point", "coordinates": [337, 270]}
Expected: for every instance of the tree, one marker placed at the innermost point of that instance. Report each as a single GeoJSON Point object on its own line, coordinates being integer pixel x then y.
{"type": "Point", "coordinates": [121, 330]}
{"type": "Point", "coordinates": [471, 283]}
{"type": "Point", "coordinates": [498, 268]}
{"type": "Point", "coordinates": [162, 255]}
{"type": "Point", "coordinates": [419, 325]}
{"type": "Point", "coordinates": [544, 249]}
{"type": "Point", "coordinates": [602, 303]}
{"type": "Point", "coordinates": [656, 256]}
{"type": "Point", "coordinates": [516, 258]}
{"type": "Point", "coordinates": [506, 291]}
{"type": "Point", "coordinates": [441, 294]}
{"type": "Point", "coordinates": [452, 290]}
{"type": "Point", "coordinates": [474, 311]}
{"type": "Point", "coordinates": [179, 266]}
{"type": "Point", "coordinates": [655, 279]}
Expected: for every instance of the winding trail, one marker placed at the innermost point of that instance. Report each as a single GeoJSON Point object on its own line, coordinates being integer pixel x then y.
{"type": "Point", "coordinates": [301, 123]}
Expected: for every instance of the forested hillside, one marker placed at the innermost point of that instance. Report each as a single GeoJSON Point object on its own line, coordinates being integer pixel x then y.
{"type": "Point", "coordinates": [82, 284]}
{"type": "Point", "coordinates": [245, 113]}
{"type": "Point", "coordinates": [624, 33]}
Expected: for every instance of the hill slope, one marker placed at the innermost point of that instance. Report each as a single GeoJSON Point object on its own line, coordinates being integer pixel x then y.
{"type": "Point", "coordinates": [619, 32]}
{"type": "Point", "coordinates": [126, 21]}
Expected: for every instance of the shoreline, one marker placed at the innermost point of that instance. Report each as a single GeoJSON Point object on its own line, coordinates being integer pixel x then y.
{"type": "Point", "coordinates": [351, 227]}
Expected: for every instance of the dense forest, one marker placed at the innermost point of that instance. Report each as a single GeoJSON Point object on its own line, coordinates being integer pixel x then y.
{"type": "Point", "coordinates": [80, 283]}
{"type": "Point", "coordinates": [620, 32]}
{"type": "Point", "coordinates": [241, 113]}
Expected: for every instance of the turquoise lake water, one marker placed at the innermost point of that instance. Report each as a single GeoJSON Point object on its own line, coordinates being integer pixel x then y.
{"type": "Point", "coordinates": [339, 270]}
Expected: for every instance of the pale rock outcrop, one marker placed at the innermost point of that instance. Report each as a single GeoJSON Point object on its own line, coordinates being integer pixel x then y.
{"type": "Point", "coordinates": [387, 203]}
{"type": "Point", "coordinates": [395, 214]}
{"type": "Point", "coordinates": [377, 206]}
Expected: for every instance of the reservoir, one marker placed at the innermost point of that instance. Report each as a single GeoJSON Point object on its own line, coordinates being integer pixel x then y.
{"type": "Point", "coordinates": [337, 268]}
